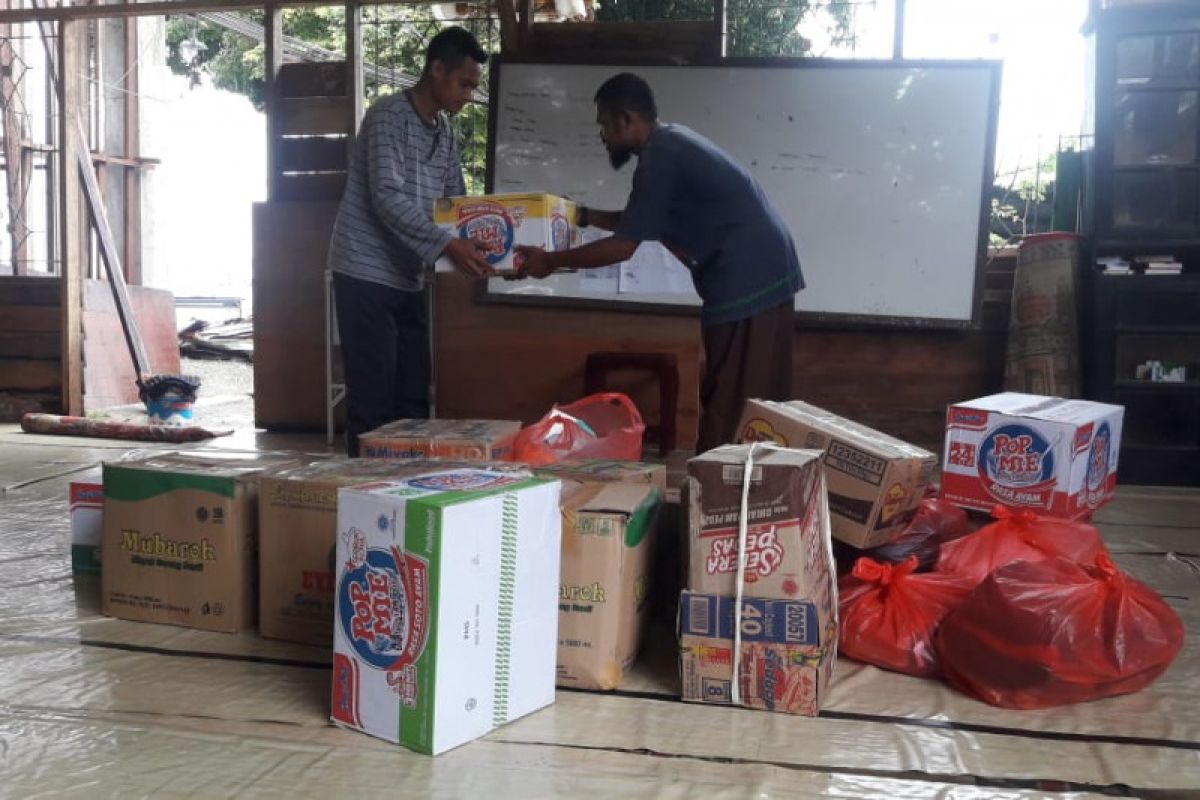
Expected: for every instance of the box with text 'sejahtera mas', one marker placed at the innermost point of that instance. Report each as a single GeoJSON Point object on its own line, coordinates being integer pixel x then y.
{"type": "Point", "coordinates": [1047, 454]}
{"type": "Point", "coordinates": [467, 439]}
{"type": "Point", "coordinates": [500, 222]}
{"type": "Point", "coordinates": [876, 481]}
{"type": "Point", "coordinates": [180, 538]}
{"type": "Point", "coordinates": [447, 605]}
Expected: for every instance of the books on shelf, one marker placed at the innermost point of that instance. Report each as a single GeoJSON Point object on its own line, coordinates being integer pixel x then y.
{"type": "Point", "coordinates": [1113, 265]}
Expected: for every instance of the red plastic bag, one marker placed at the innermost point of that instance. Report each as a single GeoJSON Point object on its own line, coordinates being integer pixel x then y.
{"type": "Point", "coordinates": [1046, 633]}
{"type": "Point", "coordinates": [1020, 536]}
{"type": "Point", "coordinates": [935, 523]}
{"type": "Point", "coordinates": [606, 426]}
{"type": "Point", "coordinates": [889, 614]}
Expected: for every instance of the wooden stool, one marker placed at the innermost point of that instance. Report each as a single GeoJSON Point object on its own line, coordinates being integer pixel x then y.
{"type": "Point", "coordinates": [663, 366]}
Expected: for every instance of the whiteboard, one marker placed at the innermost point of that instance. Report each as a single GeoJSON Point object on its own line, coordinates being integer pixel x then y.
{"type": "Point", "coordinates": [878, 167]}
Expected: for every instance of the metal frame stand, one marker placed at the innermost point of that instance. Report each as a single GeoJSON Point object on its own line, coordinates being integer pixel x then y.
{"type": "Point", "coordinates": [334, 392]}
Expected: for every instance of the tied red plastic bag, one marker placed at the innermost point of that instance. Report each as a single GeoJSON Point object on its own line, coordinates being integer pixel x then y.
{"type": "Point", "coordinates": [935, 523]}
{"type": "Point", "coordinates": [1020, 536]}
{"type": "Point", "coordinates": [1047, 633]}
{"type": "Point", "coordinates": [889, 614]}
{"type": "Point", "coordinates": [605, 426]}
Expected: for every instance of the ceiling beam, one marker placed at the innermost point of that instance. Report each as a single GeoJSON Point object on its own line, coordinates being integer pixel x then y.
{"type": "Point", "coordinates": [158, 8]}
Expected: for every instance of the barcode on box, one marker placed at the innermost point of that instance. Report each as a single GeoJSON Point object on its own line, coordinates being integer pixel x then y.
{"type": "Point", "coordinates": [701, 622]}
{"type": "Point", "coordinates": [732, 474]}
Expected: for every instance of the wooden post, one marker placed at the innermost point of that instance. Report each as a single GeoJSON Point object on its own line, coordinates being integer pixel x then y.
{"type": "Point", "coordinates": [71, 247]}
{"type": "Point", "coordinates": [509, 35]}
{"type": "Point", "coordinates": [354, 67]}
{"type": "Point", "coordinates": [525, 26]}
{"type": "Point", "coordinates": [721, 20]}
{"type": "Point", "coordinates": [132, 259]}
{"type": "Point", "coordinates": [272, 62]}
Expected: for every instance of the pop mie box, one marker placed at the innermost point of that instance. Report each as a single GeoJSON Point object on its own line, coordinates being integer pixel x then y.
{"type": "Point", "coordinates": [447, 605]}
{"type": "Point", "coordinates": [608, 534]}
{"type": "Point", "coordinates": [787, 653]}
{"type": "Point", "coordinates": [787, 513]}
{"type": "Point", "coordinates": [297, 532]}
{"type": "Point", "coordinates": [179, 538]}
{"type": "Point", "coordinates": [500, 222]}
{"type": "Point", "coordinates": [876, 481]}
{"type": "Point", "coordinates": [1048, 454]}
{"type": "Point", "coordinates": [468, 439]}
{"type": "Point", "coordinates": [86, 503]}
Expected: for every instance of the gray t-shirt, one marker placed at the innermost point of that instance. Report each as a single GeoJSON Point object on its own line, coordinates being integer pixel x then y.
{"type": "Point", "coordinates": [384, 231]}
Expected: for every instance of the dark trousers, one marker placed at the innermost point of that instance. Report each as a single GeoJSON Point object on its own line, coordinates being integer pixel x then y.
{"type": "Point", "coordinates": [749, 358]}
{"type": "Point", "coordinates": [384, 335]}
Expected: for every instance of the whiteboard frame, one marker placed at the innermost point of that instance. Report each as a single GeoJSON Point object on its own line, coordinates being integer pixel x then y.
{"type": "Point", "coordinates": [803, 319]}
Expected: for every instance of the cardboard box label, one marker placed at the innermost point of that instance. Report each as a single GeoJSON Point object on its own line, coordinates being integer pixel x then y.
{"type": "Point", "coordinates": [86, 503]}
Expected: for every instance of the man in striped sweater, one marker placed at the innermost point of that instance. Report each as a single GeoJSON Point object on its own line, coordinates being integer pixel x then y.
{"type": "Point", "coordinates": [385, 241]}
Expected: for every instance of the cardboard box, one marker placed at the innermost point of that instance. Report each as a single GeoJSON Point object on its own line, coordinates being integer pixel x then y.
{"type": "Point", "coordinates": [608, 532]}
{"type": "Point", "coordinates": [469, 439]}
{"type": "Point", "coordinates": [608, 472]}
{"type": "Point", "coordinates": [447, 605]}
{"type": "Point", "coordinates": [1051, 455]}
{"type": "Point", "coordinates": [787, 513]}
{"type": "Point", "coordinates": [502, 221]}
{"type": "Point", "coordinates": [787, 653]}
{"type": "Point", "coordinates": [297, 533]}
{"type": "Point", "coordinates": [86, 503]}
{"type": "Point", "coordinates": [876, 481]}
{"type": "Point", "coordinates": [179, 538]}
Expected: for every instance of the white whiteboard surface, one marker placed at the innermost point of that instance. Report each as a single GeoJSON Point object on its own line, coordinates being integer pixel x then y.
{"type": "Point", "coordinates": [877, 167]}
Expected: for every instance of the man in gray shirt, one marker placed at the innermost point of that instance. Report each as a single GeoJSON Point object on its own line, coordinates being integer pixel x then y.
{"type": "Point", "coordinates": [384, 240]}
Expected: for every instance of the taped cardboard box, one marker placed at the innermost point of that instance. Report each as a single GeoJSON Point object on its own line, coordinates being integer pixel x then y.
{"type": "Point", "coordinates": [608, 472]}
{"type": "Point", "coordinates": [447, 605]}
{"type": "Point", "coordinates": [468, 439]}
{"type": "Point", "coordinates": [500, 222]}
{"type": "Point", "coordinates": [608, 532]}
{"type": "Point", "coordinates": [787, 654]}
{"type": "Point", "coordinates": [85, 497]}
{"type": "Point", "coordinates": [297, 533]}
{"type": "Point", "coordinates": [875, 481]}
{"type": "Point", "coordinates": [1048, 454]}
{"type": "Point", "coordinates": [180, 538]}
{"type": "Point", "coordinates": [786, 514]}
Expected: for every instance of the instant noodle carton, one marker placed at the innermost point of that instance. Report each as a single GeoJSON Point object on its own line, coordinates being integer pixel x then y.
{"type": "Point", "coordinates": [787, 651]}
{"type": "Point", "coordinates": [608, 532]}
{"type": "Point", "coordinates": [500, 222]}
{"type": "Point", "coordinates": [297, 533]}
{"type": "Point", "coordinates": [466, 439]}
{"type": "Point", "coordinates": [1047, 454]}
{"type": "Point", "coordinates": [180, 538]}
{"type": "Point", "coordinates": [876, 481]}
{"type": "Point", "coordinates": [787, 515]}
{"type": "Point", "coordinates": [447, 605]}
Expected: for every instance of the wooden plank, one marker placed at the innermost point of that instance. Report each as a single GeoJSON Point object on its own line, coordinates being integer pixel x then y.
{"type": "Point", "coordinates": [649, 42]}
{"type": "Point", "coordinates": [108, 377]}
{"type": "Point", "coordinates": [272, 63]}
{"type": "Point", "coordinates": [313, 116]}
{"type": "Point", "coordinates": [43, 345]}
{"type": "Point", "coordinates": [354, 69]}
{"type": "Point", "coordinates": [28, 291]}
{"type": "Point", "coordinates": [313, 154]}
{"type": "Point", "coordinates": [14, 404]}
{"type": "Point", "coordinates": [30, 375]}
{"type": "Point", "coordinates": [39, 318]}
{"type": "Point", "coordinates": [67, 68]}
{"type": "Point", "coordinates": [315, 187]}
{"type": "Point", "coordinates": [132, 218]}
{"type": "Point", "coordinates": [313, 79]}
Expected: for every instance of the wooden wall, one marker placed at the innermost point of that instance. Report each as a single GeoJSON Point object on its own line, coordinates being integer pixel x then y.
{"type": "Point", "coordinates": [30, 373]}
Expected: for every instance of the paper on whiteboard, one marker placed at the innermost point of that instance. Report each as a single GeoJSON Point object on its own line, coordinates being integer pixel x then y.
{"type": "Point", "coordinates": [653, 270]}
{"type": "Point", "coordinates": [597, 281]}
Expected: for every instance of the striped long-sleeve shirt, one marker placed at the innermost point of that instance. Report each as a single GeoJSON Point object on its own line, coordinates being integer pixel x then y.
{"type": "Point", "coordinates": [384, 231]}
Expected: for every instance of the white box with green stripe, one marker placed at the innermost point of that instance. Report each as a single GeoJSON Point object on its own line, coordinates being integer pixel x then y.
{"type": "Point", "coordinates": [447, 605]}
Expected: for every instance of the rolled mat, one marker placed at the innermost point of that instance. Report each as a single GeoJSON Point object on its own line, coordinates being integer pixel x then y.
{"type": "Point", "coordinates": [56, 425]}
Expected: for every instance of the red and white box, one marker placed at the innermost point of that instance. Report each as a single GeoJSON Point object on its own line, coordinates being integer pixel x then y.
{"type": "Point", "coordinates": [1051, 455]}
